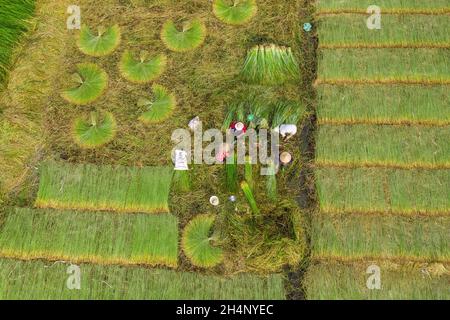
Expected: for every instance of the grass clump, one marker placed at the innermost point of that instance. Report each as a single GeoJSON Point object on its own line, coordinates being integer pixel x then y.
{"type": "Point", "coordinates": [91, 82]}
{"type": "Point", "coordinates": [387, 5]}
{"type": "Point", "coordinates": [191, 36]}
{"type": "Point", "coordinates": [286, 112]}
{"type": "Point", "coordinates": [397, 30]}
{"type": "Point", "coordinates": [235, 12]}
{"type": "Point", "coordinates": [160, 108]}
{"type": "Point", "coordinates": [197, 242]}
{"type": "Point", "coordinates": [248, 171]}
{"type": "Point", "coordinates": [413, 65]}
{"type": "Point", "coordinates": [144, 69]}
{"type": "Point", "coordinates": [270, 65]}
{"type": "Point", "coordinates": [181, 181]}
{"type": "Point", "coordinates": [15, 18]}
{"type": "Point", "coordinates": [104, 188]}
{"type": "Point", "coordinates": [90, 237]}
{"type": "Point", "coordinates": [97, 131]}
{"type": "Point", "coordinates": [231, 171]}
{"type": "Point", "coordinates": [101, 44]}
{"type": "Point", "coordinates": [37, 280]}
{"type": "Point", "coordinates": [250, 110]}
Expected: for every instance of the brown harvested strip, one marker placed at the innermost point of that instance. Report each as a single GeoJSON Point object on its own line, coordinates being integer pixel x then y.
{"type": "Point", "coordinates": [405, 213]}
{"type": "Point", "coordinates": [387, 165]}
{"type": "Point", "coordinates": [357, 258]}
{"type": "Point", "coordinates": [424, 82]}
{"type": "Point", "coordinates": [394, 11]}
{"type": "Point", "coordinates": [430, 45]}
{"type": "Point", "coordinates": [153, 262]}
{"type": "Point", "coordinates": [386, 122]}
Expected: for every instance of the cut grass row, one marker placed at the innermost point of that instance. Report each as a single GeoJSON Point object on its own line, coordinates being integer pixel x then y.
{"type": "Point", "coordinates": [384, 105]}
{"type": "Point", "coordinates": [100, 188]}
{"type": "Point", "coordinates": [428, 66]}
{"type": "Point", "coordinates": [14, 21]}
{"type": "Point", "coordinates": [354, 237]}
{"type": "Point", "coordinates": [344, 281]}
{"type": "Point", "coordinates": [390, 146]}
{"type": "Point", "coordinates": [388, 6]}
{"type": "Point", "coordinates": [370, 190]}
{"type": "Point", "coordinates": [38, 280]}
{"type": "Point", "coordinates": [397, 30]}
{"type": "Point", "coordinates": [90, 237]}
{"type": "Point", "coordinates": [26, 96]}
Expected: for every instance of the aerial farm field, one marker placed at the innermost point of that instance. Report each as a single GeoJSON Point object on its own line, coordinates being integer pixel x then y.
{"type": "Point", "coordinates": [99, 201]}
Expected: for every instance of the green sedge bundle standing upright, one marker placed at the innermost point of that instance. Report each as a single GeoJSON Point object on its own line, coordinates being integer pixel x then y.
{"type": "Point", "coordinates": [190, 37]}
{"type": "Point", "coordinates": [101, 44]}
{"type": "Point", "coordinates": [270, 65]}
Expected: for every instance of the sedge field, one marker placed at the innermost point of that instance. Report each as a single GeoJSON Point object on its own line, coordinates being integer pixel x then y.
{"type": "Point", "coordinates": [381, 152]}
{"type": "Point", "coordinates": [87, 179]}
{"type": "Point", "coordinates": [86, 168]}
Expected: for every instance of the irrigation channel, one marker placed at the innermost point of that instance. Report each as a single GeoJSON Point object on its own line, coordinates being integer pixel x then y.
{"type": "Point", "coordinates": [308, 42]}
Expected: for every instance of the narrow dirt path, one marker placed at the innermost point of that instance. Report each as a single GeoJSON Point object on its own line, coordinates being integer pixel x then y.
{"type": "Point", "coordinates": [306, 199]}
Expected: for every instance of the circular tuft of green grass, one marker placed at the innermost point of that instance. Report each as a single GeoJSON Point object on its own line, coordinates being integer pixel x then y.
{"type": "Point", "coordinates": [143, 69]}
{"type": "Point", "coordinates": [95, 131]}
{"type": "Point", "coordinates": [196, 242]}
{"type": "Point", "coordinates": [235, 12]}
{"type": "Point", "coordinates": [101, 44]}
{"type": "Point", "coordinates": [91, 81]}
{"type": "Point", "coordinates": [160, 107]}
{"type": "Point", "coordinates": [190, 37]}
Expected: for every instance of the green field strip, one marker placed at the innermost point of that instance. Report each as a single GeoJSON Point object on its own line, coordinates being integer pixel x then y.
{"type": "Point", "coordinates": [384, 104]}
{"type": "Point", "coordinates": [390, 65]}
{"type": "Point", "coordinates": [14, 22]}
{"type": "Point", "coordinates": [344, 281]}
{"type": "Point", "coordinates": [90, 237]}
{"type": "Point", "coordinates": [397, 31]}
{"type": "Point", "coordinates": [370, 190]}
{"type": "Point", "coordinates": [389, 146]}
{"type": "Point", "coordinates": [357, 237]}
{"type": "Point", "coordinates": [104, 188]}
{"type": "Point", "coordinates": [36, 280]}
{"type": "Point", "coordinates": [387, 6]}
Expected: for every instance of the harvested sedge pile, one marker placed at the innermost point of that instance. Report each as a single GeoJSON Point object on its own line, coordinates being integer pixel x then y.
{"type": "Point", "coordinates": [382, 168]}
{"type": "Point", "coordinates": [14, 21]}
{"type": "Point", "coordinates": [270, 65]}
{"type": "Point", "coordinates": [104, 188]}
{"type": "Point", "coordinates": [101, 238]}
{"type": "Point", "coordinates": [46, 281]}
